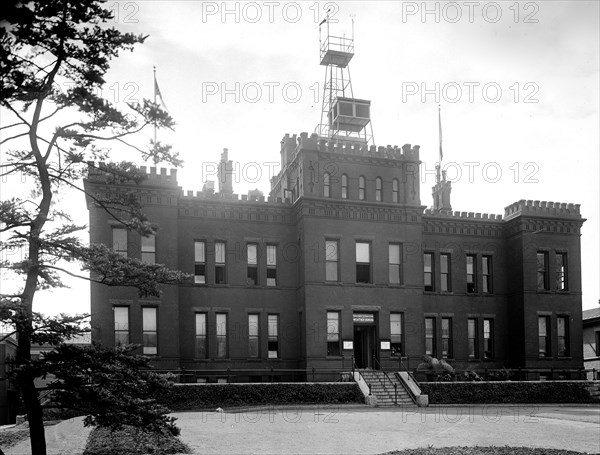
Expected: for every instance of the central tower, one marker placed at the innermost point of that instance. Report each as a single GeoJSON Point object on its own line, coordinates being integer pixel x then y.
{"type": "Point", "coordinates": [343, 117]}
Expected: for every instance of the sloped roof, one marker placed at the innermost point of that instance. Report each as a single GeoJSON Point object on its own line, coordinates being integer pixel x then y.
{"type": "Point", "coordinates": [591, 314]}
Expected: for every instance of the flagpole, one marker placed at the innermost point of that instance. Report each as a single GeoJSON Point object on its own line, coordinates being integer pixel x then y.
{"type": "Point", "coordinates": [439, 164]}
{"type": "Point", "coordinates": [154, 70]}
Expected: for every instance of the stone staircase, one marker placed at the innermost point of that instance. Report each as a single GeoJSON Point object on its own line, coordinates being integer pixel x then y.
{"type": "Point", "coordinates": [384, 390]}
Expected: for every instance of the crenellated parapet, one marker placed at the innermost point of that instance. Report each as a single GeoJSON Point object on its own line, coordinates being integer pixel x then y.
{"type": "Point", "coordinates": [542, 209]}
{"type": "Point", "coordinates": [292, 144]}
{"type": "Point", "coordinates": [189, 196]}
{"type": "Point", "coordinates": [151, 175]}
{"type": "Point", "coordinates": [463, 215]}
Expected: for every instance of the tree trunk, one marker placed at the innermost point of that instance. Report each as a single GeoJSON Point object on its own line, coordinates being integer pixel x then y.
{"type": "Point", "coordinates": [32, 404]}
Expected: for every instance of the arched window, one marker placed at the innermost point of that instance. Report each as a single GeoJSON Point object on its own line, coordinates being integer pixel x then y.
{"type": "Point", "coordinates": [344, 186]}
{"type": "Point", "coordinates": [361, 188]}
{"type": "Point", "coordinates": [378, 185]}
{"type": "Point", "coordinates": [326, 188]}
{"type": "Point", "coordinates": [395, 190]}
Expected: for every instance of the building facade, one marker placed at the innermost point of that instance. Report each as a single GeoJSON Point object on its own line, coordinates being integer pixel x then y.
{"type": "Point", "coordinates": [591, 342]}
{"type": "Point", "coordinates": [9, 394]}
{"type": "Point", "coordinates": [343, 261]}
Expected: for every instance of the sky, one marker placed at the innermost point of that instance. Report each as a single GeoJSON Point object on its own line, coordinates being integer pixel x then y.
{"type": "Point", "coordinates": [517, 82]}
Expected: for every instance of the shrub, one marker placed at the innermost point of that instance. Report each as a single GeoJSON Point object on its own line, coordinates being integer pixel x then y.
{"type": "Point", "coordinates": [507, 392]}
{"type": "Point", "coordinates": [212, 396]}
{"type": "Point", "coordinates": [132, 441]}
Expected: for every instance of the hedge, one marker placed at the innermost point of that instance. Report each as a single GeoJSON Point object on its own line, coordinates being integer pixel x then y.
{"type": "Point", "coordinates": [507, 392]}
{"type": "Point", "coordinates": [186, 397]}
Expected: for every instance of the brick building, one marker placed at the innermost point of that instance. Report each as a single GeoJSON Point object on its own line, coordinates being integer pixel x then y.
{"type": "Point", "coordinates": [591, 342]}
{"type": "Point", "coordinates": [344, 259]}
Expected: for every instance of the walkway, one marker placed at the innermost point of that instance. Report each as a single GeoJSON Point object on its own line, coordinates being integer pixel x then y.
{"type": "Point", "coordinates": [308, 430]}
{"type": "Point", "coordinates": [333, 431]}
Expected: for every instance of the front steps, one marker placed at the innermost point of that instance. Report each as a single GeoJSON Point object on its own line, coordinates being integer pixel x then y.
{"type": "Point", "coordinates": [383, 389]}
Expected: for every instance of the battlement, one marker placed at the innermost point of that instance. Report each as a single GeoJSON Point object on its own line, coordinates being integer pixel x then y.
{"type": "Point", "coordinates": [231, 197]}
{"type": "Point", "coordinates": [102, 170]}
{"type": "Point", "coordinates": [315, 142]}
{"type": "Point", "coordinates": [542, 208]}
{"type": "Point", "coordinates": [463, 215]}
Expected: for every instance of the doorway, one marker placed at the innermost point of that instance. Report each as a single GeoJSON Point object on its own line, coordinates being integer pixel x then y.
{"type": "Point", "coordinates": [364, 345]}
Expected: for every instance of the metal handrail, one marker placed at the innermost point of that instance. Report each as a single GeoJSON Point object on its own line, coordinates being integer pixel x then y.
{"type": "Point", "coordinates": [355, 367]}
{"type": "Point", "coordinates": [404, 368]}
{"type": "Point", "coordinates": [375, 361]}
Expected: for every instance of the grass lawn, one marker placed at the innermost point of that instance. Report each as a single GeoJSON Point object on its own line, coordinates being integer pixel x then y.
{"type": "Point", "coordinates": [10, 436]}
{"type": "Point", "coordinates": [506, 450]}
{"type": "Point", "coordinates": [132, 441]}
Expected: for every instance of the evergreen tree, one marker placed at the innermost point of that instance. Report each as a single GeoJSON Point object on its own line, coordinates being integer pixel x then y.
{"type": "Point", "coordinates": [53, 60]}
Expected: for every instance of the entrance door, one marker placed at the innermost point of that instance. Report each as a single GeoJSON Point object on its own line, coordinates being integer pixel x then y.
{"type": "Point", "coordinates": [364, 346]}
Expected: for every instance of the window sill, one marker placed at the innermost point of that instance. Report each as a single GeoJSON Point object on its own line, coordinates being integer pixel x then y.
{"type": "Point", "coordinates": [333, 283]}
{"type": "Point", "coordinates": [369, 285]}
{"type": "Point", "coordinates": [334, 357]}
{"type": "Point", "coordinates": [567, 357]}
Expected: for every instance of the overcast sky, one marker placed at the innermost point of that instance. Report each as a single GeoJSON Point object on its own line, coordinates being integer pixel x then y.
{"type": "Point", "coordinates": [517, 82]}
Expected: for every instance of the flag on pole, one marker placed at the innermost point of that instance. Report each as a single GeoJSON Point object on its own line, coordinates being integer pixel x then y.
{"type": "Point", "coordinates": [157, 92]}
{"type": "Point", "coordinates": [440, 122]}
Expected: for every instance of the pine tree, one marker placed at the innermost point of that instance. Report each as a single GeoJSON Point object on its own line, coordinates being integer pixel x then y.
{"type": "Point", "coordinates": [53, 60]}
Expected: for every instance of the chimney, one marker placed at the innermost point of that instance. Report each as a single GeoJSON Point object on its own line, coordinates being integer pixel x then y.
{"type": "Point", "coordinates": [225, 174]}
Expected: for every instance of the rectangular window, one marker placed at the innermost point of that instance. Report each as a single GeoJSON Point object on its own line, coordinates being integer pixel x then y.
{"type": "Point", "coordinates": [149, 249]}
{"type": "Point", "coordinates": [201, 348]}
{"type": "Point", "coordinates": [447, 338]}
{"type": "Point", "coordinates": [221, 335]}
{"type": "Point", "coordinates": [445, 272]}
{"type": "Point", "coordinates": [473, 338]}
{"type": "Point", "coordinates": [395, 190]}
{"type": "Point", "coordinates": [273, 341]}
{"type": "Point", "coordinates": [428, 271]}
{"type": "Point", "coordinates": [119, 237]}
{"type": "Point", "coordinates": [471, 274]}
{"type": "Point", "coordinates": [486, 274]}
{"type": "Point", "coordinates": [220, 275]}
{"type": "Point", "coordinates": [252, 276]}
{"type": "Point", "coordinates": [333, 333]}
{"type": "Point", "coordinates": [430, 336]}
{"type": "Point", "coordinates": [544, 336]}
{"type": "Point", "coordinates": [331, 260]}
{"type": "Point", "coordinates": [200, 262]}
{"type": "Point", "coordinates": [395, 255]}
{"type": "Point", "coordinates": [271, 265]}
{"type": "Point", "coordinates": [561, 272]}
{"type": "Point", "coordinates": [344, 186]}
{"type": "Point", "coordinates": [396, 334]}
{"type": "Point", "coordinates": [542, 271]}
{"type": "Point", "coordinates": [253, 340]}
{"type": "Point", "coordinates": [598, 344]}
{"type": "Point", "coordinates": [361, 188]}
{"type": "Point", "coordinates": [121, 316]}
{"type": "Point", "coordinates": [363, 262]}
{"type": "Point", "coordinates": [149, 331]}
{"type": "Point", "coordinates": [563, 336]}
{"type": "Point", "coordinates": [488, 339]}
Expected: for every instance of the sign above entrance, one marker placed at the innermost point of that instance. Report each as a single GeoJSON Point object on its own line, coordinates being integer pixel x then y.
{"type": "Point", "coordinates": [364, 318]}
